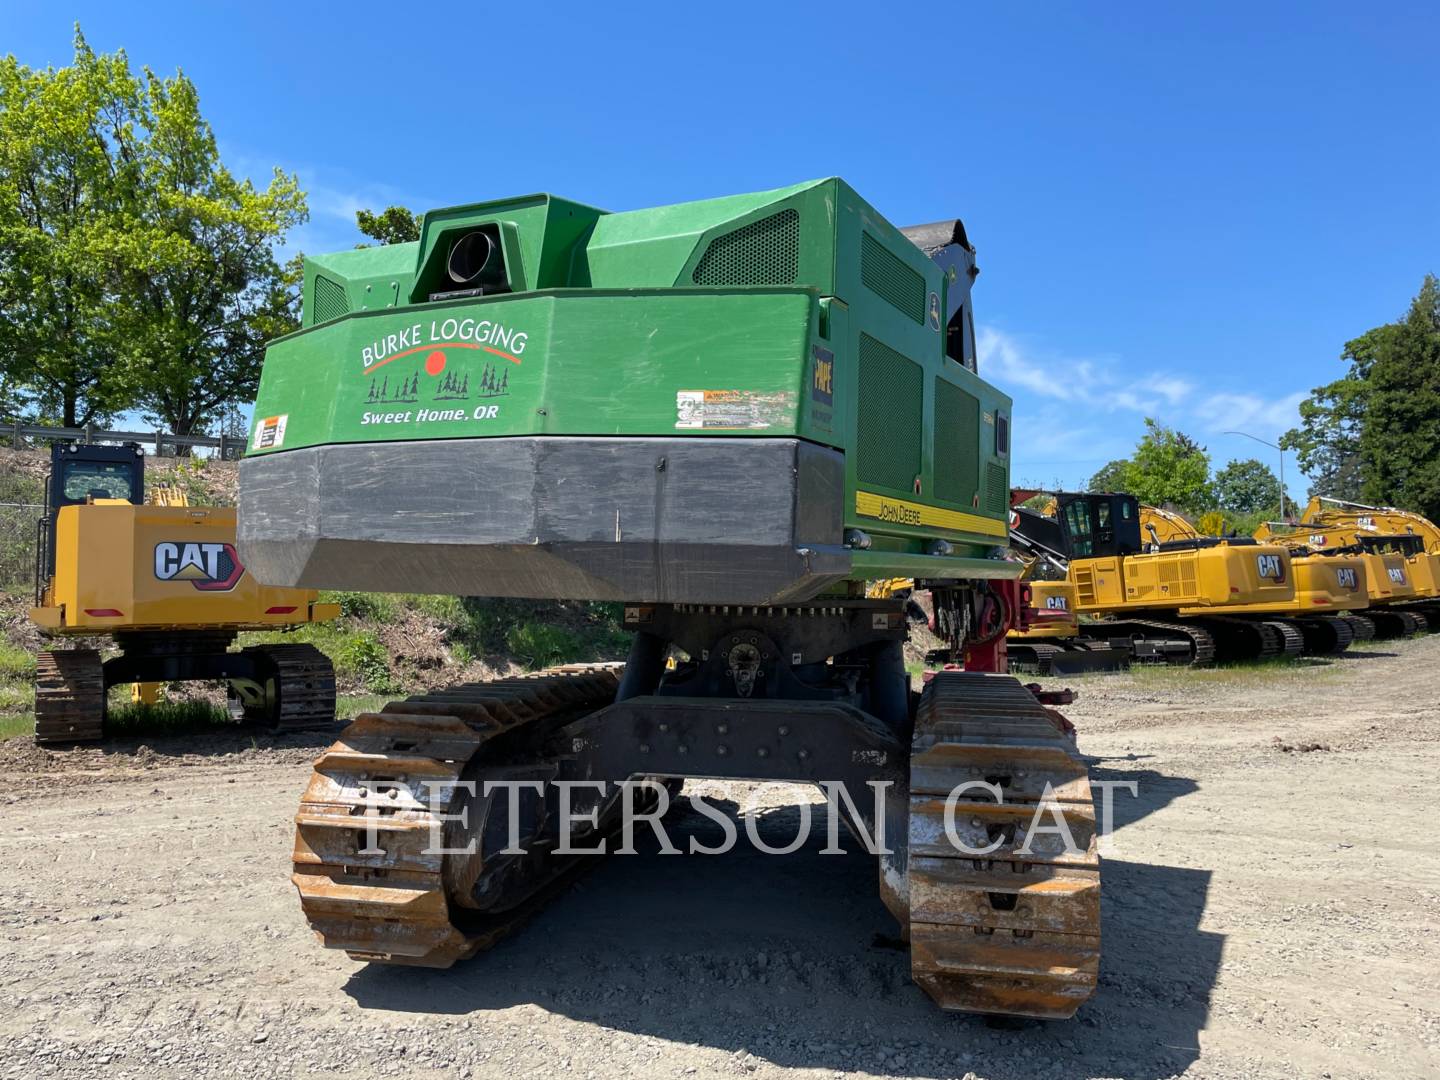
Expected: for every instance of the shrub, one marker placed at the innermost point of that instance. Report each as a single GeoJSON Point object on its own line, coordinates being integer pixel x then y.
{"type": "Point", "coordinates": [16, 663]}
{"type": "Point", "coordinates": [378, 607]}
{"type": "Point", "coordinates": [361, 655]}
{"type": "Point", "coordinates": [538, 645]}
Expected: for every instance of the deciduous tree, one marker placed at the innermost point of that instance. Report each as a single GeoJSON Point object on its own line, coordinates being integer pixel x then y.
{"type": "Point", "coordinates": [1169, 468]}
{"type": "Point", "coordinates": [1400, 437]}
{"type": "Point", "coordinates": [393, 225]}
{"type": "Point", "coordinates": [205, 290]}
{"type": "Point", "coordinates": [1112, 476]}
{"type": "Point", "coordinates": [67, 167]}
{"type": "Point", "coordinates": [135, 270]}
{"type": "Point", "coordinates": [1246, 487]}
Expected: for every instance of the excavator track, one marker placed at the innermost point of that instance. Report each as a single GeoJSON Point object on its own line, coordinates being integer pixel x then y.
{"type": "Point", "coordinates": [1292, 639]}
{"type": "Point", "coordinates": [1075, 656]}
{"type": "Point", "coordinates": [370, 879]}
{"type": "Point", "coordinates": [1391, 623]}
{"type": "Point", "coordinates": [1326, 636]}
{"type": "Point", "coordinates": [1361, 626]}
{"type": "Point", "coordinates": [1415, 621]}
{"type": "Point", "coordinates": [305, 688]}
{"type": "Point", "coordinates": [1245, 639]}
{"type": "Point", "coordinates": [69, 696]}
{"type": "Point", "coordinates": [1158, 635]}
{"type": "Point", "coordinates": [1015, 931]}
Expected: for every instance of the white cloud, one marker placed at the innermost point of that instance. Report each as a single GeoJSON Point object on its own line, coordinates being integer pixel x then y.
{"type": "Point", "coordinates": [1248, 411]}
{"type": "Point", "coordinates": [1110, 386]}
{"type": "Point", "coordinates": [332, 196]}
{"type": "Point", "coordinates": [1074, 414]}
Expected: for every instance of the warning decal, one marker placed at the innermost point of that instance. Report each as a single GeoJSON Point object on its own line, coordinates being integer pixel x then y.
{"type": "Point", "coordinates": [731, 410]}
{"type": "Point", "coordinates": [270, 432]}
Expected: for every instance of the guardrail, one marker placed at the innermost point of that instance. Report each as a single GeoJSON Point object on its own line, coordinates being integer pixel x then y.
{"type": "Point", "coordinates": [229, 447]}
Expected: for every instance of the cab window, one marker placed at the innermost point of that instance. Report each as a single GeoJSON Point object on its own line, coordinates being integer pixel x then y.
{"type": "Point", "coordinates": [1104, 528]}
{"type": "Point", "coordinates": [97, 479]}
{"type": "Point", "coordinates": [1077, 518]}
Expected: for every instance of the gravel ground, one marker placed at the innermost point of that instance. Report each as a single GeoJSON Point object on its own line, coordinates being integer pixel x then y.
{"type": "Point", "coordinates": [1271, 908]}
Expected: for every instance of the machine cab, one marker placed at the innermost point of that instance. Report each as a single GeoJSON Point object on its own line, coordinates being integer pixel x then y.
{"type": "Point", "coordinates": [1406, 544]}
{"type": "Point", "coordinates": [1099, 524]}
{"type": "Point", "coordinates": [82, 473]}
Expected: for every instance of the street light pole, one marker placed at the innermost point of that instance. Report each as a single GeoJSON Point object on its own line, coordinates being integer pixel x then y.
{"type": "Point", "coordinates": [1263, 442]}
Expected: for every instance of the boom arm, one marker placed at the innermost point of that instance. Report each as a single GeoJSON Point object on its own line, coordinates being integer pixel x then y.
{"type": "Point", "coordinates": [1357, 518]}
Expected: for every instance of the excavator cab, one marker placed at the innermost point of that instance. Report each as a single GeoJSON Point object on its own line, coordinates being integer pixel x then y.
{"type": "Point", "coordinates": [1406, 544]}
{"type": "Point", "coordinates": [1099, 524]}
{"type": "Point", "coordinates": [80, 474]}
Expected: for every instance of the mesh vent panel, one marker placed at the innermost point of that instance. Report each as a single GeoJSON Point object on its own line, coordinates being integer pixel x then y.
{"type": "Point", "coordinates": [886, 275]}
{"type": "Point", "coordinates": [765, 252]}
{"type": "Point", "coordinates": [892, 392]}
{"type": "Point", "coordinates": [330, 300]}
{"type": "Point", "coordinates": [997, 488]}
{"type": "Point", "coordinates": [957, 442]}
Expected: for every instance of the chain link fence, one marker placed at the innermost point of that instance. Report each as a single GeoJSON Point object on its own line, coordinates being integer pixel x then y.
{"type": "Point", "coordinates": [21, 503]}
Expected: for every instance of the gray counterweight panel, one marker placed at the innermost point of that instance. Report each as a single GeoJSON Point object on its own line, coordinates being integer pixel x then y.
{"type": "Point", "coordinates": [668, 520]}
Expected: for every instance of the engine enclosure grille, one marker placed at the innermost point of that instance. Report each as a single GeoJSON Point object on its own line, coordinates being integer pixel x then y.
{"type": "Point", "coordinates": [764, 252]}
{"type": "Point", "coordinates": [886, 275]}
{"type": "Point", "coordinates": [957, 440]}
{"type": "Point", "coordinates": [888, 440]}
{"type": "Point", "coordinates": [330, 299]}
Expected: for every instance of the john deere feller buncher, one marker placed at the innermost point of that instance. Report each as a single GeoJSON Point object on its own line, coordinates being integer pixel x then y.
{"type": "Point", "coordinates": [163, 581]}
{"type": "Point", "coordinates": [1329, 589]}
{"type": "Point", "coordinates": [1169, 599]}
{"type": "Point", "coordinates": [729, 415]}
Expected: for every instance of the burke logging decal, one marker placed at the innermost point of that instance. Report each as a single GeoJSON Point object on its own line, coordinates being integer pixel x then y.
{"type": "Point", "coordinates": [442, 383]}
{"type": "Point", "coordinates": [209, 567]}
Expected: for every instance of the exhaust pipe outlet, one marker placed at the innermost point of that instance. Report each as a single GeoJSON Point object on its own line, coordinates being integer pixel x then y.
{"type": "Point", "coordinates": [476, 259]}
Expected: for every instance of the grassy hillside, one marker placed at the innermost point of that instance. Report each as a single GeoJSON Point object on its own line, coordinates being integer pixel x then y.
{"type": "Point", "coordinates": [383, 645]}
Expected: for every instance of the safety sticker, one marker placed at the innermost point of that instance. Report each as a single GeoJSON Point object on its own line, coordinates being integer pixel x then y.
{"type": "Point", "coordinates": [270, 432]}
{"type": "Point", "coordinates": [731, 410]}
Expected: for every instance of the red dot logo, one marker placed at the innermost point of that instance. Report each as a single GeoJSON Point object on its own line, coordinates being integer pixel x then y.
{"type": "Point", "coordinates": [435, 363]}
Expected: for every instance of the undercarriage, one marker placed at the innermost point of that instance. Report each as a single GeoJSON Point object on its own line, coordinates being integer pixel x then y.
{"type": "Point", "coordinates": [440, 823]}
{"type": "Point", "coordinates": [283, 687]}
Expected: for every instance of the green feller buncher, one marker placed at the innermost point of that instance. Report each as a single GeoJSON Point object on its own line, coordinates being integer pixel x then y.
{"type": "Point", "coordinates": [728, 415]}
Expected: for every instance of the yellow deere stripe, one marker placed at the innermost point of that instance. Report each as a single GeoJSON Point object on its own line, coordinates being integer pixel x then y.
{"type": "Point", "coordinates": [901, 512]}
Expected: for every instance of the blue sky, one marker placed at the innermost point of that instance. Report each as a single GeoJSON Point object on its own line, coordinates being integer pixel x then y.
{"type": "Point", "coordinates": [1181, 213]}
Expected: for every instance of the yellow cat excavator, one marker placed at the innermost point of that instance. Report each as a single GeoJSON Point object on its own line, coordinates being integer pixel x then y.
{"type": "Point", "coordinates": [1386, 529]}
{"type": "Point", "coordinates": [1051, 642]}
{"type": "Point", "coordinates": [162, 581]}
{"type": "Point", "coordinates": [1172, 600]}
{"type": "Point", "coordinates": [1388, 582]}
{"type": "Point", "coordinates": [1328, 588]}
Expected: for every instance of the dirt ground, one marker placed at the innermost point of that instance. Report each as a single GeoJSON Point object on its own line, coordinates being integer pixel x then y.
{"type": "Point", "coordinates": [1271, 909]}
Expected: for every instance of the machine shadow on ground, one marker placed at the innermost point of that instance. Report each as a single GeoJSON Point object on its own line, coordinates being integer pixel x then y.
{"type": "Point", "coordinates": [1370, 652]}
{"type": "Point", "coordinates": [794, 960]}
{"type": "Point", "coordinates": [1153, 790]}
{"type": "Point", "coordinates": [217, 741]}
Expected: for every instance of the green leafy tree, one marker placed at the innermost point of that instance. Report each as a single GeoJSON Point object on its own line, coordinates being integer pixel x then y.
{"type": "Point", "coordinates": [67, 166]}
{"type": "Point", "coordinates": [1327, 442]}
{"type": "Point", "coordinates": [393, 225]}
{"type": "Point", "coordinates": [1400, 436]}
{"type": "Point", "coordinates": [1246, 487]}
{"type": "Point", "coordinates": [1373, 435]}
{"type": "Point", "coordinates": [1112, 476]}
{"type": "Point", "coordinates": [155, 278]}
{"type": "Point", "coordinates": [205, 289]}
{"type": "Point", "coordinates": [1169, 468]}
